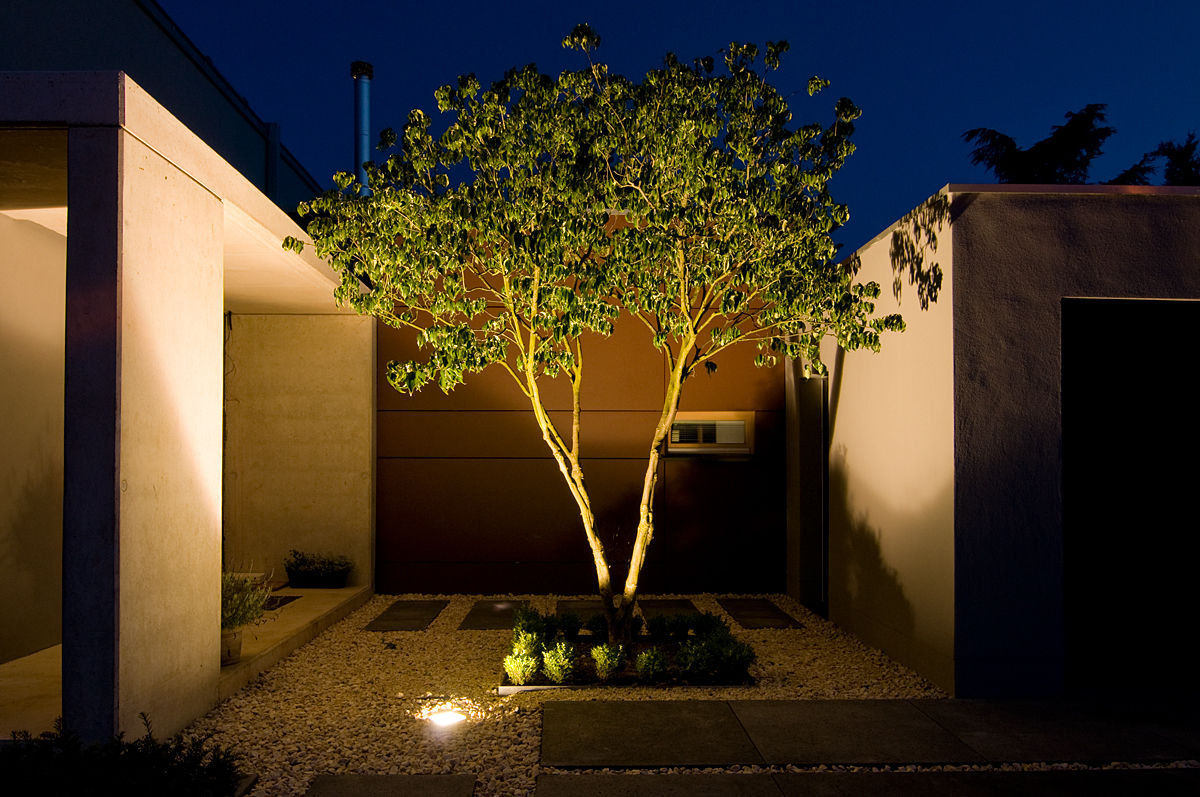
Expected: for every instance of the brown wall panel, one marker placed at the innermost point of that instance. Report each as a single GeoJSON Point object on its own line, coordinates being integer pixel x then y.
{"type": "Point", "coordinates": [623, 371]}
{"type": "Point", "coordinates": [737, 384]}
{"type": "Point", "coordinates": [466, 433]}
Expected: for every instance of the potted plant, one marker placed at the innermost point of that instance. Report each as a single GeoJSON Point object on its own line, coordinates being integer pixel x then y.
{"type": "Point", "coordinates": [316, 570]}
{"type": "Point", "coordinates": [243, 601]}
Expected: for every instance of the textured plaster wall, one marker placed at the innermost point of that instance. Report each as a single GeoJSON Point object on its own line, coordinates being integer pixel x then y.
{"type": "Point", "coordinates": [891, 478]}
{"type": "Point", "coordinates": [169, 466]}
{"type": "Point", "coordinates": [32, 278]}
{"type": "Point", "coordinates": [1017, 255]}
{"type": "Point", "coordinates": [299, 426]}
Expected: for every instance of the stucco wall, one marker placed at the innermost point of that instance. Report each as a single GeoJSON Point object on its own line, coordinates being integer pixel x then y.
{"type": "Point", "coordinates": [1017, 254]}
{"type": "Point", "coordinates": [32, 277]}
{"type": "Point", "coordinates": [299, 427]}
{"type": "Point", "coordinates": [891, 478]}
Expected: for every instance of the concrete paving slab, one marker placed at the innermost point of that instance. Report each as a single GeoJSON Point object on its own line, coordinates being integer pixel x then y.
{"type": "Point", "coordinates": [583, 608]}
{"type": "Point", "coordinates": [649, 733]}
{"type": "Point", "coordinates": [812, 732]}
{"type": "Point", "coordinates": [644, 785]}
{"type": "Point", "coordinates": [391, 786]}
{"type": "Point", "coordinates": [1093, 783]}
{"type": "Point", "coordinates": [758, 613]}
{"type": "Point", "coordinates": [1033, 731]}
{"type": "Point", "coordinates": [652, 607]}
{"type": "Point", "coordinates": [491, 615]}
{"type": "Point", "coordinates": [407, 615]}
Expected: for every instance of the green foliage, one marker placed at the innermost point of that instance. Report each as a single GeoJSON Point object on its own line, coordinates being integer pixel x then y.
{"type": "Point", "coordinates": [243, 600]}
{"type": "Point", "coordinates": [521, 668]}
{"type": "Point", "coordinates": [679, 625]}
{"type": "Point", "coordinates": [608, 659]}
{"type": "Point", "coordinates": [527, 643]}
{"type": "Point", "coordinates": [570, 623]}
{"type": "Point", "coordinates": [558, 662]}
{"type": "Point", "coordinates": [56, 762]}
{"type": "Point", "coordinates": [651, 665]}
{"type": "Point", "coordinates": [707, 624]}
{"type": "Point", "coordinates": [597, 626]}
{"type": "Point", "coordinates": [715, 658]}
{"type": "Point", "coordinates": [316, 564]}
{"type": "Point", "coordinates": [658, 628]}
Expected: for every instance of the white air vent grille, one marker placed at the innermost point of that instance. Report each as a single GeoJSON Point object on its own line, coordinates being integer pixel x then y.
{"type": "Point", "coordinates": [712, 433]}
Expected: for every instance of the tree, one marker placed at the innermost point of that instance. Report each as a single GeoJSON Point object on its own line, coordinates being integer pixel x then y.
{"type": "Point", "coordinates": [550, 206]}
{"type": "Point", "coordinates": [1065, 156]}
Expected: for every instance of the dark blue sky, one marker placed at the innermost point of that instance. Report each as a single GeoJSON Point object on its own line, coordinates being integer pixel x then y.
{"type": "Point", "coordinates": [923, 72]}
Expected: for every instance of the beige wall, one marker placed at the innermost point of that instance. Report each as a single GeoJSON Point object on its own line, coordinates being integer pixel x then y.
{"type": "Point", "coordinates": [891, 479]}
{"type": "Point", "coordinates": [299, 426]}
{"type": "Point", "coordinates": [169, 471]}
{"type": "Point", "coordinates": [32, 280]}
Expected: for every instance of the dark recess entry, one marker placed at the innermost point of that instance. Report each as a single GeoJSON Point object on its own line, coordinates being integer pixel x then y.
{"type": "Point", "coordinates": [1131, 435]}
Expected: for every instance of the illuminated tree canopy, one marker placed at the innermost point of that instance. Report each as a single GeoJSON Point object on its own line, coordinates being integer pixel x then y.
{"type": "Point", "coordinates": [550, 206]}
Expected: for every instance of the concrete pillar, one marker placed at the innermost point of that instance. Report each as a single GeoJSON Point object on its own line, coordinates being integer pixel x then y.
{"type": "Point", "coordinates": [142, 494]}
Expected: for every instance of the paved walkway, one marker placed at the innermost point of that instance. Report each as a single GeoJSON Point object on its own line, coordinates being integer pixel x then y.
{"type": "Point", "coordinates": [633, 736]}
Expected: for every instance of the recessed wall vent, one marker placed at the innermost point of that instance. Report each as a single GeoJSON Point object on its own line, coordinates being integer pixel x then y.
{"type": "Point", "coordinates": [704, 433]}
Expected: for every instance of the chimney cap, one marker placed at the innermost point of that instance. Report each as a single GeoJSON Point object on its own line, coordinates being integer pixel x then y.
{"type": "Point", "coordinates": [361, 69]}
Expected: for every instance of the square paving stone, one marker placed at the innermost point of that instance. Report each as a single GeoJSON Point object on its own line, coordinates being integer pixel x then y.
{"type": "Point", "coordinates": [583, 608]}
{"type": "Point", "coordinates": [648, 733]}
{"type": "Point", "coordinates": [758, 613]}
{"type": "Point", "coordinates": [848, 732]}
{"type": "Point", "coordinates": [407, 615]}
{"type": "Point", "coordinates": [652, 607]}
{"type": "Point", "coordinates": [1033, 731]}
{"type": "Point", "coordinates": [1093, 783]}
{"type": "Point", "coordinates": [392, 786]}
{"type": "Point", "coordinates": [490, 615]}
{"type": "Point", "coordinates": [644, 785]}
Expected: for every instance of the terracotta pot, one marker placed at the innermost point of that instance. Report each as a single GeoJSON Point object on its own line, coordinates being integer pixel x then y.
{"type": "Point", "coordinates": [231, 645]}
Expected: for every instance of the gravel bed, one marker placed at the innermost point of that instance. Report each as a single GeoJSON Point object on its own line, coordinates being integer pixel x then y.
{"type": "Point", "coordinates": [351, 701]}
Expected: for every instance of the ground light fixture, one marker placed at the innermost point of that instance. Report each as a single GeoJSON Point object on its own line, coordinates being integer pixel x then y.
{"type": "Point", "coordinates": [445, 711]}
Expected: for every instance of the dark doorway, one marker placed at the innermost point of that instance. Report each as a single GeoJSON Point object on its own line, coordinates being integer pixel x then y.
{"type": "Point", "coordinates": [1131, 435]}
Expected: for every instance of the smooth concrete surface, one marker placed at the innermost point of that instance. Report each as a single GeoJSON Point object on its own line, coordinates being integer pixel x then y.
{"type": "Point", "coordinates": [407, 615]}
{"type": "Point", "coordinates": [491, 615]}
{"type": "Point", "coordinates": [757, 613]}
{"type": "Point", "coordinates": [891, 474]}
{"type": "Point", "coordinates": [299, 468]}
{"type": "Point", "coordinates": [649, 733]}
{"type": "Point", "coordinates": [33, 262]}
{"type": "Point", "coordinates": [391, 786]}
{"type": "Point", "coordinates": [31, 692]}
{"type": "Point", "coordinates": [561, 785]}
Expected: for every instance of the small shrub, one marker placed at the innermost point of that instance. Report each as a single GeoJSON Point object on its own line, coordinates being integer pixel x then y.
{"type": "Point", "coordinates": [678, 625]}
{"type": "Point", "coordinates": [717, 658]}
{"type": "Point", "coordinates": [635, 624]}
{"type": "Point", "coordinates": [709, 624]}
{"type": "Point", "coordinates": [597, 626]}
{"type": "Point", "coordinates": [608, 658]}
{"type": "Point", "coordinates": [57, 762]}
{"type": "Point", "coordinates": [521, 668]}
{"type": "Point", "coordinates": [651, 665]}
{"type": "Point", "coordinates": [558, 662]}
{"type": "Point", "coordinates": [545, 626]}
{"type": "Point", "coordinates": [658, 628]}
{"type": "Point", "coordinates": [243, 600]}
{"type": "Point", "coordinates": [527, 643]}
{"type": "Point", "coordinates": [570, 623]}
{"type": "Point", "coordinates": [316, 570]}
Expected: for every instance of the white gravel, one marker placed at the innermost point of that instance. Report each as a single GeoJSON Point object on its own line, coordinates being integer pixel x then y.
{"type": "Point", "coordinates": [350, 701]}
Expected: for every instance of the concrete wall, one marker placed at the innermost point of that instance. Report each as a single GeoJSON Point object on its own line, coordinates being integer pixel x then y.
{"type": "Point", "coordinates": [32, 277]}
{"type": "Point", "coordinates": [1018, 252]}
{"type": "Point", "coordinates": [300, 434]}
{"type": "Point", "coordinates": [470, 500]}
{"type": "Point", "coordinates": [891, 478]}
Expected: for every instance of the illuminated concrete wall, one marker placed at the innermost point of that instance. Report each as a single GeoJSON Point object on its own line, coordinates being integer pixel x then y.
{"type": "Point", "coordinates": [891, 478]}
{"type": "Point", "coordinates": [32, 278]}
{"type": "Point", "coordinates": [300, 436]}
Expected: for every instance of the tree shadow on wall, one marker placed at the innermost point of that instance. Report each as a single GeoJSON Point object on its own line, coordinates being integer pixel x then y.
{"type": "Point", "coordinates": [861, 583]}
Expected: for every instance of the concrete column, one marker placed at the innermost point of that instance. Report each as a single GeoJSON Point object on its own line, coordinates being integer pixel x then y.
{"type": "Point", "coordinates": [142, 499]}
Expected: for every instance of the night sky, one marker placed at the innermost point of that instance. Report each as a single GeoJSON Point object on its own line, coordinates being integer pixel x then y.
{"type": "Point", "coordinates": [923, 72]}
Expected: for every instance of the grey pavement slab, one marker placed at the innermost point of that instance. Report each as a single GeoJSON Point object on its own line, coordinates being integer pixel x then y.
{"type": "Point", "coordinates": [490, 615]}
{"type": "Point", "coordinates": [813, 732]}
{"type": "Point", "coordinates": [407, 615]}
{"type": "Point", "coordinates": [584, 608]}
{"type": "Point", "coordinates": [392, 786]}
{"type": "Point", "coordinates": [648, 733]}
{"type": "Point", "coordinates": [758, 613]}
{"type": "Point", "coordinates": [644, 785]}
{"type": "Point", "coordinates": [652, 607]}
{"type": "Point", "coordinates": [1092, 783]}
{"type": "Point", "coordinates": [1029, 731]}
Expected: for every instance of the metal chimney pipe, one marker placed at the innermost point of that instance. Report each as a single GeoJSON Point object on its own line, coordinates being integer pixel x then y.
{"type": "Point", "coordinates": [362, 72]}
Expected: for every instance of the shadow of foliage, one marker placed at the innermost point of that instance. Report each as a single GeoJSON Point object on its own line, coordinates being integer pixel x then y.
{"type": "Point", "coordinates": [914, 243]}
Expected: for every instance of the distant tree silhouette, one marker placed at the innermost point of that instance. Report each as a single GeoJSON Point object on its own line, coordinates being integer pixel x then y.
{"type": "Point", "coordinates": [1065, 156]}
